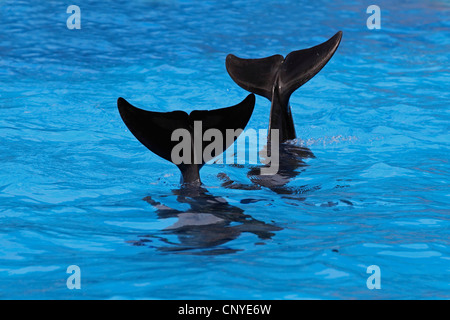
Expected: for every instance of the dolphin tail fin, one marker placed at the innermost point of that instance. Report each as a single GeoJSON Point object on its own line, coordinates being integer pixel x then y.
{"type": "Point", "coordinates": [255, 75]}
{"type": "Point", "coordinates": [154, 130]}
{"type": "Point", "coordinates": [260, 75]}
{"type": "Point", "coordinates": [302, 65]}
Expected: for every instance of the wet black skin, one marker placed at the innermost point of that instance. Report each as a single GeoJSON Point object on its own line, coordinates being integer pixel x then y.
{"type": "Point", "coordinates": [211, 221]}
{"type": "Point", "coordinates": [276, 78]}
{"type": "Point", "coordinates": [154, 130]}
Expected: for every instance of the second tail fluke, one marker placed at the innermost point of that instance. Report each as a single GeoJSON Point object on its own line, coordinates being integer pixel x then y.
{"type": "Point", "coordinates": [276, 78]}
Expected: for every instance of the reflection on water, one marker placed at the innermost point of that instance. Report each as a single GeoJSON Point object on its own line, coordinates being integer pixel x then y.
{"type": "Point", "coordinates": [290, 163]}
{"type": "Point", "coordinates": [209, 223]}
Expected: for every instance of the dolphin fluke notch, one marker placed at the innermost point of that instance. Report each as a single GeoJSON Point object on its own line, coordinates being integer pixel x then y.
{"type": "Point", "coordinates": [154, 129]}
{"type": "Point", "coordinates": [255, 75]}
{"type": "Point", "coordinates": [276, 78]}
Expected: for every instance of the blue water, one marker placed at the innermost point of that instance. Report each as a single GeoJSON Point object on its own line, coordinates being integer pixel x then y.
{"type": "Point", "coordinates": [76, 187]}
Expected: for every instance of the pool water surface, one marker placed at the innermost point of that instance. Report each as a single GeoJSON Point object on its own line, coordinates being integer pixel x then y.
{"type": "Point", "coordinates": [77, 188]}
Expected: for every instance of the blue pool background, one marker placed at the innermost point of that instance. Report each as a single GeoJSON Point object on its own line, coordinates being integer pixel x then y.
{"type": "Point", "coordinates": [73, 178]}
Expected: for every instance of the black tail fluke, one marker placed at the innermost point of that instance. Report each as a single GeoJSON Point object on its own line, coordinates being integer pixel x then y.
{"type": "Point", "coordinates": [300, 66]}
{"type": "Point", "coordinates": [155, 131]}
{"type": "Point", "coordinates": [255, 75]}
{"type": "Point", "coordinates": [276, 78]}
{"type": "Point", "coordinates": [259, 76]}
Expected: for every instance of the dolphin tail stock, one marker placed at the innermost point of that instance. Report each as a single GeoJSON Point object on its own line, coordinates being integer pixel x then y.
{"type": "Point", "coordinates": [155, 131]}
{"type": "Point", "coordinates": [276, 78]}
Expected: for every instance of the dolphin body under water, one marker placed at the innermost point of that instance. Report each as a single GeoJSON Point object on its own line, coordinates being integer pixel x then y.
{"type": "Point", "coordinates": [154, 130]}
{"type": "Point", "coordinates": [276, 78]}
